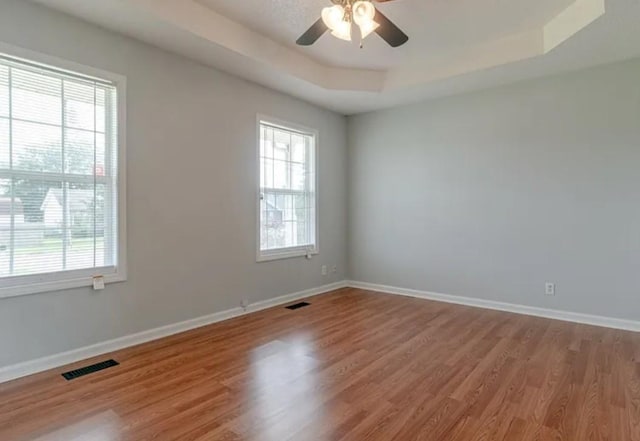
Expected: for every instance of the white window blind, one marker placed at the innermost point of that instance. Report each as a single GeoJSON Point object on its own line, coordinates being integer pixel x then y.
{"type": "Point", "coordinates": [58, 174]}
{"type": "Point", "coordinates": [287, 191]}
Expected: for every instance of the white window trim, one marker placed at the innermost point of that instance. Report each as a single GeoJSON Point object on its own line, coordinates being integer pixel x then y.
{"type": "Point", "coordinates": [40, 283]}
{"type": "Point", "coordinates": [292, 252]}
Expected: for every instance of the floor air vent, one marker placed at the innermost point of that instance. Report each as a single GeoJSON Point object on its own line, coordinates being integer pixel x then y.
{"type": "Point", "coordinates": [72, 375]}
{"type": "Point", "coordinates": [298, 305]}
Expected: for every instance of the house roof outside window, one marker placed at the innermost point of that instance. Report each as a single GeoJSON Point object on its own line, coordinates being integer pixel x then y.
{"type": "Point", "coordinates": [77, 199]}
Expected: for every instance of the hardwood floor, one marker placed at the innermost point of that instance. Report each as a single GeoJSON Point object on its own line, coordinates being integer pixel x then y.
{"type": "Point", "coordinates": [354, 365]}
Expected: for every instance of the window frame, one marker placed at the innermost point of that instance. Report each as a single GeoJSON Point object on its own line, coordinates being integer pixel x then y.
{"type": "Point", "coordinates": [14, 286]}
{"type": "Point", "coordinates": [290, 252]}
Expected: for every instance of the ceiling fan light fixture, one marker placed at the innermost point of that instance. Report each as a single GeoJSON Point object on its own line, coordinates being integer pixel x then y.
{"type": "Point", "coordinates": [363, 15]}
{"type": "Point", "coordinates": [340, 19]}
{"type": "Point", "coordinates": [333, 16]}
{"type": "Point", "coordinates": [342, 31]}
{"type": "Point", "coordinates": [367, 28]}
{"type": "Point", "coordinates": [363, 12]}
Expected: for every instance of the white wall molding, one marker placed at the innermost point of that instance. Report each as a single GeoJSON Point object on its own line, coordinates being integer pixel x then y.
{"type": "Point", "coordinates": [567, 316]}
{"type": "Point", "coordinates": [53, 361]}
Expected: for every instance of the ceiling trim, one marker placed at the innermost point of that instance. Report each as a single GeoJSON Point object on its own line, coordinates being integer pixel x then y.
{"type": "Point", "coordinates": [571, 21]}
{"type": "Point", "coordinates": [516, 47]}
{"type": "Point", "coordinates": [216, 29]}
{"type": "Point", "coordinates": [205, 23]}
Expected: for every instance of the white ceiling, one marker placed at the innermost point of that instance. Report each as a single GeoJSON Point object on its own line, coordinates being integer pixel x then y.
{"type": "Point", "coordinates": [454, 46]}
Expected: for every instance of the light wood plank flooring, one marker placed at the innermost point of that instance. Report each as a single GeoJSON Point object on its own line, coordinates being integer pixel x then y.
{"type": "Point", "coordinates": [354, 365]}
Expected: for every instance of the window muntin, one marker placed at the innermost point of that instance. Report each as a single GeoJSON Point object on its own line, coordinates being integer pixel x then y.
{"type": "Point", "coordinates": [58, 176]}
{"type": "Point", "coordinates": [287, 221]}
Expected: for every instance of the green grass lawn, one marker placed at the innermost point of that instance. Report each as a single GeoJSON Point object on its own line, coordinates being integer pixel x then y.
{"type": "Point", "coordinates": [55, 244]}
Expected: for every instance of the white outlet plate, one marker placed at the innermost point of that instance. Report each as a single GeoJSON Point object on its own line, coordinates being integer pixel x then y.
{"type": "Point", "coordinates": [324, 270]}
{"type": "Point", "coordinates": [98, 283]}
{"type": "Point", "coordinates": [550, 289]}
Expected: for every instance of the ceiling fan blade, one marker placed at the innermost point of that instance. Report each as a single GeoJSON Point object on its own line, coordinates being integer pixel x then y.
{"type": "Point", "coordinates": [313, 33]}
{"type": "Point", "coordinates": [389, 31]}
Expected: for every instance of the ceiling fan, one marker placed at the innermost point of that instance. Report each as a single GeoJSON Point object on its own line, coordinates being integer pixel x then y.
{"type": "Point", "coordinates": [340, 18]}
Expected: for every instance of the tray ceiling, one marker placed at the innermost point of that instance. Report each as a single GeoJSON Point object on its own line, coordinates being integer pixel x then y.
{"type": "Point", "coordinates": [434, 26]}
{"type": "Point", "coordinates": [455, 45]}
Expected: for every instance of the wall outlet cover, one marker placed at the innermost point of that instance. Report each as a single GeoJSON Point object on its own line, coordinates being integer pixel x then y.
{"type": "Point", "coordinates": [550, 289]}
{"type": "Point", "coordinates": [98, 283]}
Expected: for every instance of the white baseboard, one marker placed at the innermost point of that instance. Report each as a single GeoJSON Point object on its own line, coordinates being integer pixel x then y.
{"type": "Point", "coordinates": [42, 364]}
{"type": "Point", "coordinates": [575, 317]}
{"type": "Point", "coordinates": [53, 361]}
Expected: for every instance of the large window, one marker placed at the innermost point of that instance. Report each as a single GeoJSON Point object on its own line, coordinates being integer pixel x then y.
{"type": "Point", "coordinates": [287, 201]}
{"type": "Point", "coordinates": [59, 186]}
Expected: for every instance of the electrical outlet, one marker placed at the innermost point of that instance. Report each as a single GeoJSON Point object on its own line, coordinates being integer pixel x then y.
{"type": "Point", "coordinates": [324, 270]}
{"type": "Point", "coordinates": [550, 289]}
{"type": "Point", "coordinates": [334, 269]}
{"type": "Point", "coordinates": [98, 283]}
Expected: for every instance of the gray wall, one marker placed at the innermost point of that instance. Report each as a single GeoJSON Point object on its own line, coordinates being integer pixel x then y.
{"type": "Point", "coordinates": [492, 194]}
{"type": "Point", "coordinates": [191, 194]}
{"type": "Point", "coordinates": [486, 195]}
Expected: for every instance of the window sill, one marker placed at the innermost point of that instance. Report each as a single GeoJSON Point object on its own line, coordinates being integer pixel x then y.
{"type": "Point", "coordinates": [57, 285]}
{"type": "Point", "coordinates": [285, 254]}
